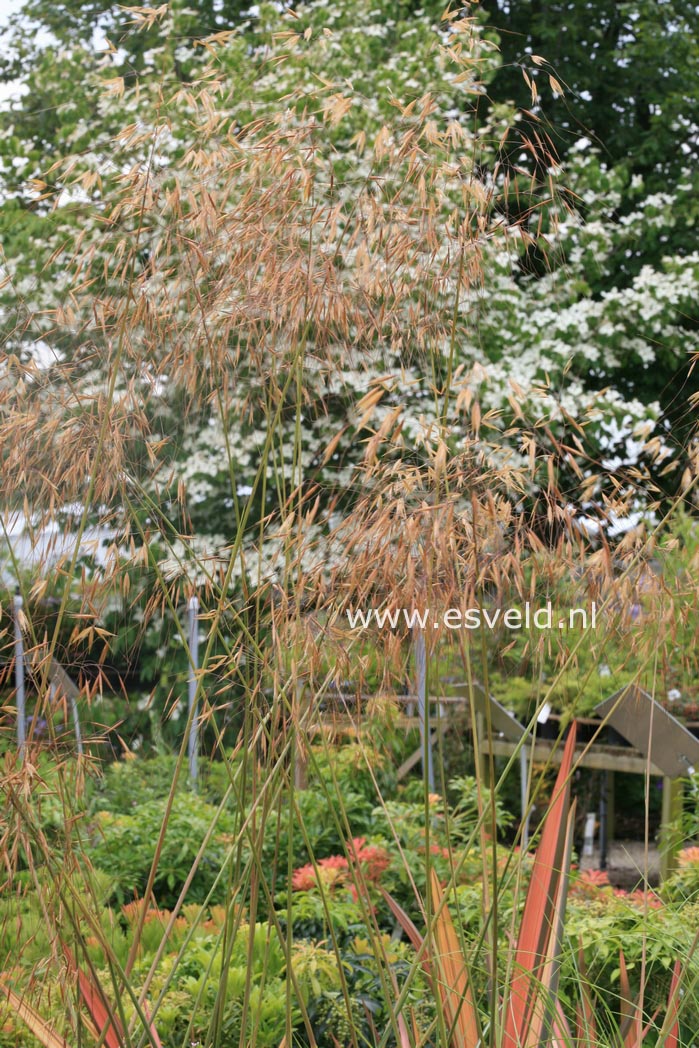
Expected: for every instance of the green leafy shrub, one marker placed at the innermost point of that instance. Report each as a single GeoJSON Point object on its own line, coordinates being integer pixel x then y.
{"type": "Point", "coordinates": [128, 784]}
{"type": "Point", "coordinates": [334, 772]}
{"type": "Point", "coordinates": [124, 847]}
{"type": "Point", "coordinates": [682, 886]}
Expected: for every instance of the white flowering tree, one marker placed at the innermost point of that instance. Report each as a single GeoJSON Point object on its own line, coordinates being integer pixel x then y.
{"type": "Point", "coordinates": [258, 280]}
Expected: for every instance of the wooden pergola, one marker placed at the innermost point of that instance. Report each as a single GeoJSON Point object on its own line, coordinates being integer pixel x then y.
{"type": "Point", "coordinates": [629, 732]}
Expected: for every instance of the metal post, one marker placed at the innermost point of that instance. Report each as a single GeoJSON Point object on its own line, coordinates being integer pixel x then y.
{"type": "Point", "coordinates": [423, 713]}
{"type": "Point", "coordinates": [300, 755]}
{"type": "Point", "coordinates": [611, 808]}
{"type": "Point", "coordinates": [19, 679]}
{"type": "Point", "coordinates": [524, 795]}
{"type": "Point", "coordinates": [673, 803]}
{"type": "Point", "coordinates": [76, 723]}
{"type": "Point", "coordinates": [193, 740]}
{"type": "Point", "coordinates": [603, 841]}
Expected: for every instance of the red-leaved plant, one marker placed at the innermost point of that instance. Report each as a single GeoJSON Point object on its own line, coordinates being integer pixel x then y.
{"type": "Point", "coordinates": [530, 1012]}
{"type": "Point", "coordinates": [335, 870]}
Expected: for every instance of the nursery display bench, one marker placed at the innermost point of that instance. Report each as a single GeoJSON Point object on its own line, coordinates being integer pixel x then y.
{"type": "Point", "coordinates": [630, 732]}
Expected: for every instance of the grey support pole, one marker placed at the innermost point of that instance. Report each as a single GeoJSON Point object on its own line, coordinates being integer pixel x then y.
{"type": "Point", "coordinates": [603, 842]}
{"type": "Point", "coordinates": [19, 679]}
{"type": "Point", "coordinates": [193, 740]}
{"type": "Point", "coordinates": [421, 690]}
{"type": "Point", "coordinates": [524, 795]}
{"type": "Point", "coordinates": [76, 724]}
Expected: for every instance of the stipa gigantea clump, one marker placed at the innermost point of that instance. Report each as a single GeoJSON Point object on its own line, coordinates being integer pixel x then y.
{"type": "Point", "coordinates": [262, 267]}
{"type": "Point", "coordinates": [267, 393]}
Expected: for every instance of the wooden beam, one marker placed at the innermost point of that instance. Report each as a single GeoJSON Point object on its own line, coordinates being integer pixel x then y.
{"type": "Point", "coordinates": [672, 808]}
{"type": "Point", "coordinates": [353, 700]}
{"type": "Point", "coordinates": [350, 724]}
{"type": "Point", "coordinates": [603, 758]}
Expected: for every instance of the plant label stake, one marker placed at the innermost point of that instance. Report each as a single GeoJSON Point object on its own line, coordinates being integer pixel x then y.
{"type": "Point", "coordinates": [193, 740]}
{"type": "Point", "coordinates": [19, 678]}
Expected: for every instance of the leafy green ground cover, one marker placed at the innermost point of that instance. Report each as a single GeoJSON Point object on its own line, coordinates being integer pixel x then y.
{"type": "Point", "coordinates": [321, 876]}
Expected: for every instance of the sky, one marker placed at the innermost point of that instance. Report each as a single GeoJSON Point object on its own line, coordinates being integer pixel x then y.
{"type": "Point", "coordinates": [7, 7]}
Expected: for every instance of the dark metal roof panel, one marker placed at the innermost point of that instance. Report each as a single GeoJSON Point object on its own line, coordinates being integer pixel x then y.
{"type": "Point", "coordinates": [501, 719]}
{"type": "Point", "coordinates": [651, 730]}
{"type": "Point", "coordinates": [58, 679]}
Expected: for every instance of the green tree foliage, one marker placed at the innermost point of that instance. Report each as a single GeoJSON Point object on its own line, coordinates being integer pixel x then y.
{"type": "Point", "coordinates": [619, 78]}
{"type": "Point", "coordinates": [627, 71]}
